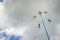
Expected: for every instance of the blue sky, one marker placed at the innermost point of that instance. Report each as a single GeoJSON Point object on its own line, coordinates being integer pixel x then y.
{"type": "Point", "coordinates": [1, 0]}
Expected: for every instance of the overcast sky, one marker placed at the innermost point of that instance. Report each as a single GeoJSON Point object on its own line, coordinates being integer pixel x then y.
{"type": "Point", "coordinates": [19, 16]}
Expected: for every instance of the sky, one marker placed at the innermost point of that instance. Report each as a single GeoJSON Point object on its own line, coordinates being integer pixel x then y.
{"type": "Point", "coordinates": [18, 15]}
{"type": "Point", "coordinates": [1, 0]}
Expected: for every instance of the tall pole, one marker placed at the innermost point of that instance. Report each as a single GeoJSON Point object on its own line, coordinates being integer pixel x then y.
{"type": "Point", "coordinates": [44, 25]}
